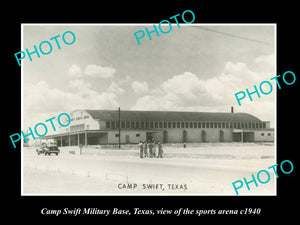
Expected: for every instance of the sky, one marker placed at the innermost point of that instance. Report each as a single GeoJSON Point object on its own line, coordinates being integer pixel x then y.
{"type": "Point", "coordinates": [187, 69]}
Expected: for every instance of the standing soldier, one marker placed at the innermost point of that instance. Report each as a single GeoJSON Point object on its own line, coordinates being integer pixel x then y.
{"type": "Point", "coordinates": [141, 149]}
{"type": "Point", "coordinates": [160, 150]}
{"type": "Point", "coordinates": [145, 149]}
{"type": "Point", "coordinates": [150, 148]}
{"type": "Point", "coordinates": [154, 148]}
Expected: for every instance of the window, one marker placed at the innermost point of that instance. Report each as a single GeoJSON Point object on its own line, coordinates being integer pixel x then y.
{"type": "Point", "coordinates": [113, 125]}
{"type": "Point", "coordinates": [132, 124]}
{"type": "Point", "coordinates": [231, 125]}
{"type": "Point", "coordinates": [122, 124]}
{"type": "Point", "coordinates": [186, 124]}
{"type": "Point", "coordinates": [117, 135]}
{"type": "Point", "coordinates": [156, 124]}
{"type": "Point", "coordinates": [160, 124]}
{"type": "Point", "coordinates": [246, 125]}
{"type": "Point", "coordinates": [215, 124]}
{"type": "Point", "coordinates": [165, 124]}
{"type": "Point", "coordinates": [223, 124]}
{"type": "Point", "coordinates": [219, 124]}
{"type": "Point", "coordinates": [195, 124]}
{"type": "Point", "coordinates": [211, 125]}
{"type": "Point", "coordinates": [107, 125]}
{"type": "Point", "coordinates": [262, 134]}
{"type": "Point", "coordinates": [137, 124]}
{"type": "Point", "coordinates": [227, 124]}
{"type": "Point", "coordinates": [137, 135]}
{"type": "Point", "coordinates": [174, 124]}
{"type": "Point", "coordinates": [182, 124]}
{"type": "Point", "coordinates": [242, 125]}
{"type": "Point", "coordinates": [169, 124]}
{"type": "Point", "coordinates": [264, 125]}
{"type": "Point", "coordinates": [85, 117]}
{"type": "Point", "coordinates": [199, 124]}
{"type": "Point", "coordinates": [127, 124]}
{"type": "Point", "coordinates": [117, 124]}
{"type": "Point", "coordinates": [207, 124]}
{"type": "Point", "coordinates": [191, 125]}
{"type": "Point", "coordinates": [142, 124]}
{"type": "Point", "coordinates": [151, 124]}
{"type": "Point", "coordinates": [178, 124]}
{"type": "Point", "coordinates": [269, 134]}
{"type": "Point", "coordinates": [146, 124]}
{"type": "Point", "coordinates": [250, 125]}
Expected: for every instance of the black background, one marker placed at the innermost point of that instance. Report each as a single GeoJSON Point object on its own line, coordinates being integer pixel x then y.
{"type": "Point", "coordinates": [27, 208]}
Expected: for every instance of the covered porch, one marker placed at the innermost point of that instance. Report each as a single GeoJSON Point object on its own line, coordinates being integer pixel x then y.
{"type": "Point", "coordinates": [87, 137]}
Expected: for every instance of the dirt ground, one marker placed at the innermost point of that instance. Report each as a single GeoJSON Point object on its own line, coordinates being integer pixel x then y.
{"type": "Point", "coordinates": [206, 169]}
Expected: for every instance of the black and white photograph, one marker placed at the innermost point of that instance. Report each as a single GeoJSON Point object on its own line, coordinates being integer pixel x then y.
{"type": "Point", "coordinates": [161, 109]}
{"type": "Point", "coordinates": [155, 113]}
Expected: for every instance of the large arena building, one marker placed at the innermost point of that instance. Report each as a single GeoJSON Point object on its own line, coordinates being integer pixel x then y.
{"type": "Point", "coordinates": [101, 127]}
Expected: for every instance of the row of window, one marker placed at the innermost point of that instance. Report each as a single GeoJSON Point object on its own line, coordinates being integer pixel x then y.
{"type": "Point", "coordinates": [165, 124]}
{"type": "Point", "coordinates": [137, 135]}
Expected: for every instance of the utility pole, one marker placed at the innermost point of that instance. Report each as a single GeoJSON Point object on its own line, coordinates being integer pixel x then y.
{"type": "Point", "coordinates": [119, 128]}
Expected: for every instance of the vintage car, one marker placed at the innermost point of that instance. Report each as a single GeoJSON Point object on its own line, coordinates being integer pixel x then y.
{"type": "Point", "coordinates": [48, 149]}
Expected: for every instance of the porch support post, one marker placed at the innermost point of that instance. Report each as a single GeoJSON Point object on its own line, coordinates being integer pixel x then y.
{"type": "Point", "coordinates": [85, 138]}
{"type": "Point", "coordinates": [242, 138]}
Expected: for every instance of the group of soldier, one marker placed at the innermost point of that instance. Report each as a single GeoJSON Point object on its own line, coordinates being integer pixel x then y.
{"type": "Point", "coordinates": [148, 149]}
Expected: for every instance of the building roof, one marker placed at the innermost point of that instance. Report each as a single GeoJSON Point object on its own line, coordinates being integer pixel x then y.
{"type": "Point", "coordinates": [128, 115]}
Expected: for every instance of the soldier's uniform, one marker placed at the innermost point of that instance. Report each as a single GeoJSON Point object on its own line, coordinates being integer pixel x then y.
{"type": "Point", "coordinates": [141, 150]}
{"type": "Point", "coordinates": [154, 149]}
{"type": "Point", "coordinates": [145, 149]}
{"type": "Point", "coordinates": [150, 149]}
{"type": "Point", "coordinates": [160, 150]}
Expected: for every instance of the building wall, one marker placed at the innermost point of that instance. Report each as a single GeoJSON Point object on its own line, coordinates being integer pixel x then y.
{"type": "Point", "coordinates": [173, 136]}
{"type": "Point", "coordinates": [264, 135]}
{"type": "Point", "coordinates": [80, 120]}
{"type": "Point", "coordinates": [102, 125]}
{"type": "Point", "coordinates": [267, 124]}
{"type": "Point", "coordinates": [134, 136]}
{"type": "Point", "coordinates": [103, 139]}
{"type": "Point", "coordinates": [195, 135]}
